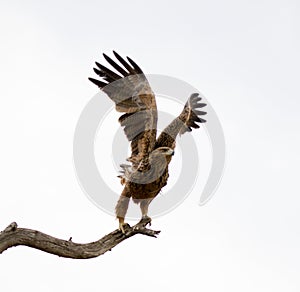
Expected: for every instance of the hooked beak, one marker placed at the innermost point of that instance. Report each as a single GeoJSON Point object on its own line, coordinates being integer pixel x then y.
{"type": "Point", "coordinates": [172, 152]}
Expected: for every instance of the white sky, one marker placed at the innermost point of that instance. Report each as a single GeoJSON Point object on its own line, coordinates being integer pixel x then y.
{"type": "Point", "coordinates": [244, 57]}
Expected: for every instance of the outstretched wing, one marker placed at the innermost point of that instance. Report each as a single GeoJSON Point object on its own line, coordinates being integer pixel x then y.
{"type": "Point", "coordinates": [188, 119]}
{"type": "Point", "coordinates": [132, 94]}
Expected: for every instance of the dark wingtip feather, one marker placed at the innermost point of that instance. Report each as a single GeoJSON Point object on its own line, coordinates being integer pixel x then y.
{"type": "Point", "coordinates": [115, 65]}
{"type": "Point", "coordinates": [108, 72]}
{"type": "Point", "coordinates": [134, 65]}
{"type": "Point", "coordinates": [194, 119]}
{"type": "Point", "coordinates": [195, 94]}
{"type": "Point", "coordinates": [194, 125]}
{"type": "Point", "coordinates": [99, 83]}
{"type": "Point", "coordinates": [199, 113]}
{"type": "Point", "coordinates": [98, 72]}
{"type": "Point", "coordinates": [117, 55]}
{"type": "Point", "coordinates": [199, 105]}
{"type": "Point", "coordinates": [124, 63]}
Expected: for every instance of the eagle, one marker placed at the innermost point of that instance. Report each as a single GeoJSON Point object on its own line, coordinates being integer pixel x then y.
{"type": "Point", "coordinates": [147, 171]}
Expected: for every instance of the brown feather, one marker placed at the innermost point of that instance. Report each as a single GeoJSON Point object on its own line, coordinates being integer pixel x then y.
{"type": "Point", "coordinates": [150, 157]}
{"type": "Point", "coordinates": [115, 65]}
{"type": "Point", "coordinates": [124, 63]}
{"type": "Point", "coordinates": [132, 96]}
{"type": "Point", "coordinates": [187, 120]}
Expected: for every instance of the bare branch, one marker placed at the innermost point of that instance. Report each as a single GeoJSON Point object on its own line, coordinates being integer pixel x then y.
{"type": "Point", "coordinates": [14, 236]}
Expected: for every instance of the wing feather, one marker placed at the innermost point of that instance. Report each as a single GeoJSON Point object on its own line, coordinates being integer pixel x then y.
{"type": "Point", "coordinates": [185, 122]}
{"type": "Point", "coordinates": [107, 72]}
{"type": "Point", "coordinates": [124, 63]}
{"type": "Point", "coordinates": [115, 65]}
{"type": "Point", "coordinates": [130, 91]}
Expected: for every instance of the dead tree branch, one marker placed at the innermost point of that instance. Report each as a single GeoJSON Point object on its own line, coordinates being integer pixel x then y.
{"type": "Point", "coordinates": [13, 236]}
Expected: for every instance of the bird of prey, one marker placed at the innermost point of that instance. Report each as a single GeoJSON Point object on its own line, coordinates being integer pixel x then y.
{"type": "Point", "coordinates": [147, 171]}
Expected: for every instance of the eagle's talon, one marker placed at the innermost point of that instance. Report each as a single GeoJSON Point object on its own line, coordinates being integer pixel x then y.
{"type": "Point", "coordinates": [121, 227]}
{"type": "Point", "coordinates": [145, 221]}
{"type": "Point", "coordinates": [147, 172]}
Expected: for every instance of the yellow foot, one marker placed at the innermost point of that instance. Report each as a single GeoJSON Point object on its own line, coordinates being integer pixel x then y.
{"type": "Point", "coordinates": [143, 222]}
{"type": "Point", "coordinates": [121, 226]}
{"type": "Point", "coordinates": [145, 219]}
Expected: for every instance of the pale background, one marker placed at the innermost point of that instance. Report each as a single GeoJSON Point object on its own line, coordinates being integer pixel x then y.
{"type": "Point", "coordinates": [243, 55]}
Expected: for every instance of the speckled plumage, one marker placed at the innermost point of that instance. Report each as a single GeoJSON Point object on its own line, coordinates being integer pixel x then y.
{"type": "Point", "coordinates": [147, 172]}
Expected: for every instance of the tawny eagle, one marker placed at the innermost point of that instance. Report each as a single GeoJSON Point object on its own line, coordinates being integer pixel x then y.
{"type": "Point", "coordinates": [145, 176]}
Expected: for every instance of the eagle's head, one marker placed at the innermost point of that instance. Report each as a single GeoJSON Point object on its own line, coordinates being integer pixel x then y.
{"type": "Point", "coordinates": [161, 155]}
{"type": "Point", "coordinates": [157, 165]}
{"type": "Point", "coordinates": [159, 160]}
{"type": "Point", "coordinates": [163, 151]}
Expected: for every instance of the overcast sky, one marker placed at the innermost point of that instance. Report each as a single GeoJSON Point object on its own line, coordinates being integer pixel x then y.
{"type": "Point", "coordinates": [242, 55]}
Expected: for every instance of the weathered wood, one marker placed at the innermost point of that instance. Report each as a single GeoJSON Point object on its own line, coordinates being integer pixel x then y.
{"type": "Point", "coordinates": [13, 236]}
